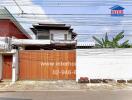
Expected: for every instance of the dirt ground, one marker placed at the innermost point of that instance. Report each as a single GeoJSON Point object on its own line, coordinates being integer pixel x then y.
{"type": "Point", "coordinates": [58, 85]}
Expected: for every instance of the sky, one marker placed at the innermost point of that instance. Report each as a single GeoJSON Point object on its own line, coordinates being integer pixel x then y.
{"type": "Point", "coordinates": [91, 24]}
{"type": "Point", "coordinates": [25, 19]}
{"type": "Point", "coordinates": [87, 17]}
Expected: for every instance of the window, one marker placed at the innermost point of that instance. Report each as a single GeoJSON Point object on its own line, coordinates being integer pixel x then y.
{"type": "Point", "coordinates": [65, 35]}
{"type": "Point", "coordinates": [52, 37]}
{"type": "Point", "coordinates": [44, 34]}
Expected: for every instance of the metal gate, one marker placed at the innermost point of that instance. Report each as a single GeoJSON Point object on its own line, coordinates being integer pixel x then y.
{"type": "Point", "coordinates": [47, 65]}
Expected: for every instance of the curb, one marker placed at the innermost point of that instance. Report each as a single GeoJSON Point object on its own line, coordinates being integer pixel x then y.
{"type": "Point", "coordinates": [83, 90]}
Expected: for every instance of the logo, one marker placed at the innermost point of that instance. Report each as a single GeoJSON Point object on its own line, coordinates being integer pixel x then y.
{"type": "Point", "coordinates": [117, 10]}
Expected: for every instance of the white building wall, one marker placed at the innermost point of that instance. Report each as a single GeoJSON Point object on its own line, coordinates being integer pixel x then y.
{"type": "Point", "coordinates": [69, 36]}
{"type": "Point", "coordinates": [104, 63]}
{"type": "Point", "coordinates": [59, 34]}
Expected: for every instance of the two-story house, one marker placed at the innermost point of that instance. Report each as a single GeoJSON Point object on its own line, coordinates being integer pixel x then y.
{"type": "Point", "coordinates": [61, 36]}
{"type": "Point", "coordinates": [53, 57]}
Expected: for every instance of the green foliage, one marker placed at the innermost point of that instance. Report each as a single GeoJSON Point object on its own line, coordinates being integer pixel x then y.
{"type": "Point", "coordinates": [114, 43]}
{"type": "Point", "coordinates": [100, 43]}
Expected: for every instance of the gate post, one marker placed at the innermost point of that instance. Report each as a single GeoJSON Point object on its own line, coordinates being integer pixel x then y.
{"type": "Point", "coordinates": [1, 66]}
{"type": "Point", "coordinates": [15, 66]}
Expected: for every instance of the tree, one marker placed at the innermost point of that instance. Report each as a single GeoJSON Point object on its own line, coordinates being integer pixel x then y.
{"type": "Point", "coordinates": [114, 43]}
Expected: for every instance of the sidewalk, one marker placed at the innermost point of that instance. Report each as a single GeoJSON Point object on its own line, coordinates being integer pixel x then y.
{"type": "Point", "coordinates": [58, 86]}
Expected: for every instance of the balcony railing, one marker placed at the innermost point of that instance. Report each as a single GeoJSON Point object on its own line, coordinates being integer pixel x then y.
{"type": "Point", "coordinates": [63, 42]}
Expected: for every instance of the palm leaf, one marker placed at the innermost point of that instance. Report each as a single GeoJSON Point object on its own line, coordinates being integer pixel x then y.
{"type": "Point", "coordinates": [125, 44]}
{"type": "Point", "coordinates": [118, 37]}
{"type": "Point", "coordinates": [114, 43]}
{"type": "Point", "coordinates": [106, 38]}
{"type": "Point", "coordinates": [97, 40]}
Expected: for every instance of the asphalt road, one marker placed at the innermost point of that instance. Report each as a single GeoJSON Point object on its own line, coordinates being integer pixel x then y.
{"type": "Point", "coordinates": [68, 95]}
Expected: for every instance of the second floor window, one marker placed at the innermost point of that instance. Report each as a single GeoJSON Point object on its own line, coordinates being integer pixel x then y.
{"type": "Point", "coordinates": [44, 34]}
{"type": "Point", "coordinates": [52, 37]}
{"type": "Point", "coordinates": [65, 36]}
{"type": "Point", "coordinates": [43, 37]}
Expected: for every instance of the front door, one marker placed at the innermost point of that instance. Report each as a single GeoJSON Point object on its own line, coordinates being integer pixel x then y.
{"type": "Point", "coordinates": [7, 67]}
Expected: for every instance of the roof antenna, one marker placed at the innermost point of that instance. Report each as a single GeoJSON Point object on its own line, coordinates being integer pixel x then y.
{"type": "Point", "coordinates": [22, 12]}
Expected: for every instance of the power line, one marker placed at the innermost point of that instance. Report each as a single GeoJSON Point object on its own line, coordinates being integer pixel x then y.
{"type": "Point", "coordinates": [58, 6]}
{"type": "Point", "coordinates": [82, 23]}
{"type": "Point", "coordinates": [79, 24]}
{"type": "Point", "coordinates": [72, 1]}
{"type": "Point", "coordinates": [57, 14]}
{"type": "Point", "coordinates": [69, 3]}
{"type": "Point", "coordinates": [18, 6]}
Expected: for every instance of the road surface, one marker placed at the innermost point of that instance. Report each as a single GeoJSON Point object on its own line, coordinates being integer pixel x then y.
{"type": "Point", "coordinates": [68, 95]}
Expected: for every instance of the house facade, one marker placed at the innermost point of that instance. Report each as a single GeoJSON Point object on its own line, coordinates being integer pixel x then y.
{"type": "Point", "coordinates": [51, 56]}
{"type": "Point", "coordinates": [55, 60]}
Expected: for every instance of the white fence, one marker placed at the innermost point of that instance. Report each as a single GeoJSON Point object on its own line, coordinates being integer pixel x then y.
{"type": "Point", "coordinates": [104, 63]}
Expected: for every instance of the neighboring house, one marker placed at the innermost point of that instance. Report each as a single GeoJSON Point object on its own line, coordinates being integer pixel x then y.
{"type": "Point", "coordinates": [9, 29]}
{"type": "Point", "coordinates": [117, 10]}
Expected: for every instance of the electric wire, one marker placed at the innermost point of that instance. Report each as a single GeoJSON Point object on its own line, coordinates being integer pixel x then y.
{"type": "Point", "coordinates": [72, 18]}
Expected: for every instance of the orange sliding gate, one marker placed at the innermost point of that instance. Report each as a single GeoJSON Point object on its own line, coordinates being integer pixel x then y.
{"type": "Point", "coordinates": [47, 65]}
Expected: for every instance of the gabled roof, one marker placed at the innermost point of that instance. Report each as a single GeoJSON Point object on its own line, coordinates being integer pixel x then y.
{"type": "Point", "coordinates": [41, 26]}
{"type": "Point", "coordinates": [117, 7]}
{"type": "Point", "coordinates": [52, 26]}
{"type": "Point", "coordinates": [5, 14]}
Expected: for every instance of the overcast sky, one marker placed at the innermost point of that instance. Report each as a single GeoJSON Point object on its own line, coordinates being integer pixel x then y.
{"type": "Point", "coordinates": [82, 24]}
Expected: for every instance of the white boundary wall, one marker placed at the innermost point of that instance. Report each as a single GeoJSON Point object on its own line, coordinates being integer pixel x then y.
{"type": "Point", "coordinates": [104, 63]}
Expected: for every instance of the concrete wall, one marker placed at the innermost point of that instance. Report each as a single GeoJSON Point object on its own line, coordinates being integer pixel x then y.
{"type": "Point", "coordinates": [15, 70]}
{"type": "Point", "coordinates": [104, 63]}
